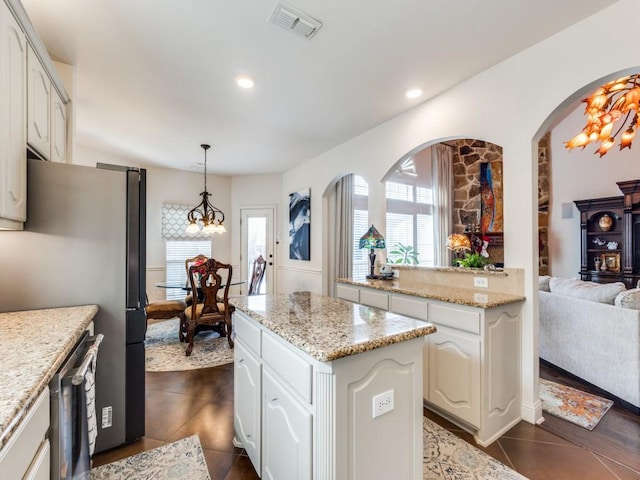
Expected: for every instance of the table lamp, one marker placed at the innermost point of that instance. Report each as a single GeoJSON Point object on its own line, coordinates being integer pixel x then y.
{"type": "Point", "coordinates": [458, 242]}
{"type": "Point", "coordinates": [372, 240]}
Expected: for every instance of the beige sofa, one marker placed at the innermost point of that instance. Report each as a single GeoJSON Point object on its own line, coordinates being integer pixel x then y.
{"type": "Point", "coordinates": [593, 331]}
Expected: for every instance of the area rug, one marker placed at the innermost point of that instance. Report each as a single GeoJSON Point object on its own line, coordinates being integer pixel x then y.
{"type": "Point", "coordinates": [581, 408]}
{"type": "Point", "coordinates": [447, 457]}
{"type": "Point", "coordinates": [165, 353]}
{"type": "Point", "coordinates": [178, 460]}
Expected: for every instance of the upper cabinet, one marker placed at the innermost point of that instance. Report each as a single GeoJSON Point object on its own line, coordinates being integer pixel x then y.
{"type": "Point", "coordinates": [13, 120]}
{"type": "Point", "coordinates": [32, 110]}
{"type": "Point", "coordinates": [38, 106]}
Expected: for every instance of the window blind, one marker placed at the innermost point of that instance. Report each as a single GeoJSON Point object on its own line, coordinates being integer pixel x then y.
{"type": "Point", "coordinates": [174, 223]}
{"type": "Point", "coordinates": [176, 252]}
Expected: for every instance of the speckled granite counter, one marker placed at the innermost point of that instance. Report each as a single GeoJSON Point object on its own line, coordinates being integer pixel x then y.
{"type": "Point", "coordinates": [460, 296]}
{"type": "Point", "coordinates": [33, 345]}
{"type": "Point", "coordinates": [329, 328]}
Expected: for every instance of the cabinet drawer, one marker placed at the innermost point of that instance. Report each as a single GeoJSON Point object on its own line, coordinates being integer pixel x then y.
{"type": "Point", "coordinates": [247, 331]}
{"type": "Point", "coordinates": [409, 307]}
{"type": "Point", "coordinates": [347, 292]}
{"type": "Point", "coordinates": [296, 371]}
{"type": "Point", "coordinates": [465, 320]}
{"type": "Point", "coordinates": [41, 467]}
{"type": "Point", "coordinates": [17, 455]}
{"type": "Point", "coordinates": [374, 299]}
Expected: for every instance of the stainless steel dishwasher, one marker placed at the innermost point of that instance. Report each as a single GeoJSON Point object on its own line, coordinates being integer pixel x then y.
{"type": "Point", "coordinates": [69, 435]}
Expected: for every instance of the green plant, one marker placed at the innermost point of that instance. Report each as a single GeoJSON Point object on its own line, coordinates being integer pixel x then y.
{"type": "Point", "coordinates": [471, 260]}
{"type": "Point", "coordinates": [405, 254]}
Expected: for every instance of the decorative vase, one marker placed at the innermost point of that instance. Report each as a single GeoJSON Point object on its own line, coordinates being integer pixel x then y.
{"type": "Point", "coordinates": [597, 263]}
{"type": "Point", "coordinates": [605, 223]}
{"type": "Point", "coordinates": [603, 267]}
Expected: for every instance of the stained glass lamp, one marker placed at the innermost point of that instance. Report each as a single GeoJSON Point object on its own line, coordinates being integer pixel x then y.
{"type": "Point", "coordinates": [372, 240]}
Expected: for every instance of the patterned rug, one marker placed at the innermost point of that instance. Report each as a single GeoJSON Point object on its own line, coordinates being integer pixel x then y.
{"type": "Point", "coordinates": [581, 408]}
{"type": "Point", "coordinates": [178, 460]}
{"type": "Point", "coordinates": [447, 457]}
{"type": "Point", "coordinates": [165, 353]}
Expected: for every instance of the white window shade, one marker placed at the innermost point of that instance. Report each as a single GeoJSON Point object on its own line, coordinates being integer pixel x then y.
{"type": "Point", "coordinates": [176, 252]}
{"type": "Point", "coordinates": [174, 223]}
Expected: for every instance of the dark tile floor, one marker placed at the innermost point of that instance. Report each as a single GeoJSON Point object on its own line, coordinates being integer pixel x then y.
{"type": "Point", "coordinates": [180, 404]}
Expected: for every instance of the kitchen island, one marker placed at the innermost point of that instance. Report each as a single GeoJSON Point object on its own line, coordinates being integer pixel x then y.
{"type": "Point", "coordinates": [33, 345]}
{"type": "Point", "coordinates": [327, 389]}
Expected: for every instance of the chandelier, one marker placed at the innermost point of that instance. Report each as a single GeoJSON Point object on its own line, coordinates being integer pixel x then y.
{"type": "Point", "coordinates": [614, 101]}
{"type": "Point", "coordinates": [205, 216]}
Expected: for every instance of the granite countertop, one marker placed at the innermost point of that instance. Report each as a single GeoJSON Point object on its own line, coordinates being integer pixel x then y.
{"type": "Point", "coordinates": [329, 328]}
{"type": "Point", "coordinates": [33, 345]}
{"type": "Point", "coordinates": [461, 296]}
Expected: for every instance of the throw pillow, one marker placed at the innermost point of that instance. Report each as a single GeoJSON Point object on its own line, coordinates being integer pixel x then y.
{"type": "Point", "coordinates": [594, 292]}
{"type": "Point", "coordinates": [628, 299]}
{"type": "Point", "coordinates": [543, 283]}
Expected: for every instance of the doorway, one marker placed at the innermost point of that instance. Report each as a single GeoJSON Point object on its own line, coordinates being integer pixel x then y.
{"type": "Point", "coordinates": [257, 238]}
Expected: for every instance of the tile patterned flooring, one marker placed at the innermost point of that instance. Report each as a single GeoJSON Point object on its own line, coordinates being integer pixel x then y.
{"type": "Point", "coordinates": [179, 404]}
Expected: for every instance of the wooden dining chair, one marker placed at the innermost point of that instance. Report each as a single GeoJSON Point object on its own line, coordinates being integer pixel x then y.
{"type": "Point", "coordinates": [167, 309]}
{"type": "Point", "coordinates": [257, 275]}
{"type": "Point", "coordinates": [214, 309]}
{"type": "Point", "coordinates": [197, 260]}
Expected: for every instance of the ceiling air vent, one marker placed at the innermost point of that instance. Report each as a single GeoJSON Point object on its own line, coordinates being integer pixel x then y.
{"type": "Point", "coordinates": [292, 19]}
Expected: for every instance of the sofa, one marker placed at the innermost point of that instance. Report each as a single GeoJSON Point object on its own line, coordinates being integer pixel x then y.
{"type": "Point", "coordinates": [593, 332]}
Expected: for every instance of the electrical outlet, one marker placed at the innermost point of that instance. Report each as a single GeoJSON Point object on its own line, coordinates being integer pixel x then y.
{"type": "Point", "coordinates": [107, 417]}
{"type": "Point", "coordinates": [482, 282]}
{"type": "Point", "coordinates": [382, 403]}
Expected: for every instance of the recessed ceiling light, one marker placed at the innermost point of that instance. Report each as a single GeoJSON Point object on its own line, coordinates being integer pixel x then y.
{"type": "Point", "coordinates": [244, 81]}
{"type": "Point", "coordinates": [413, 93]}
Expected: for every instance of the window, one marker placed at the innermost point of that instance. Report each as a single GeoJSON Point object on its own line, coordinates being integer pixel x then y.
{"type": "Point", "coordinates": [360, 225]}
{"type": "Point", "coordinates": [176, 252]}
{"type": "Point", "coordinates": [410, 213]}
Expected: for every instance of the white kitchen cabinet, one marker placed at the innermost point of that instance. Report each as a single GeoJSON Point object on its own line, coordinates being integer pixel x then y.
{"type": "Point", "coordinates": [453, 376]}
{"type": "Point", "coordinates": [58, 128]}
{"type": "Point", "coordinates": [38, 105]}
{"type": "Point", "coordinates": [471, 364]}
{"type": "Point", "coordinates": [26, 453]}
{"type": "Point", "coordinates": [287, 437]}
{"type": "Point", "coordinates": [247, 394]}
{"type": "Point", "coordinates": [13, 118]}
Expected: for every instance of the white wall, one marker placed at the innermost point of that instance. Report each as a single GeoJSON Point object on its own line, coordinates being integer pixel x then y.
{"type": "Point", "coordinates": [597, 178]}
{"type": "Point", "coordinates": [510, 105]}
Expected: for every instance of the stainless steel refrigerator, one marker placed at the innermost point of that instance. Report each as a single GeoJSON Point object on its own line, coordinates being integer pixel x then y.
{"type": "Point", "coordinates": [84, 243]}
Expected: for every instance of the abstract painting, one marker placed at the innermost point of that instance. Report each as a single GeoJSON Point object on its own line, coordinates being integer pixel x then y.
{"type": "Point", "coordinates": [300, 225]}
{"type": "Point", "coordinates": [491, 214]}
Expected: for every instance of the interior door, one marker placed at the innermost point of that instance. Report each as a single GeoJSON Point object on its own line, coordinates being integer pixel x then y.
{"type": "Point", "coordinates": [257, 238]}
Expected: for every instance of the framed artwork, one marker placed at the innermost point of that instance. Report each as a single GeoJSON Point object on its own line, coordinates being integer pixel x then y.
{"type": "Point", "coordinates": [491, 211]}
{"type": "Point", "coordinates": [300, 225]}
{"type": "Point", "coordinates": [612, 261]}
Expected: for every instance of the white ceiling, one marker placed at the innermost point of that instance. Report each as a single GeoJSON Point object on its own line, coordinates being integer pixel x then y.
{"type": "Point", "coordinates": [155, 78]}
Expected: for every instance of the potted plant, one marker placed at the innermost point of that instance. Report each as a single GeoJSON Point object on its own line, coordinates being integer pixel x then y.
{"type": "Point", "coordinates": [405, 254]}
{"type": "Point", "coordinates": [471, 260]}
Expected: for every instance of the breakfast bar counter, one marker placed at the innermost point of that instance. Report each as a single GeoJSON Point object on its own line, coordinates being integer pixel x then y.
{"type": "Point", "coordinates": [327, 389]}
{"type": "Point", "coordinates": [29, 362]}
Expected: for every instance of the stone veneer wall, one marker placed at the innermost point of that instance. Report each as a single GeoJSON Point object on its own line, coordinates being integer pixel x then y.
{"type": "Point", "coordinates": [468, 156]}
{"type": "Point", "coordinates": [544, 188]}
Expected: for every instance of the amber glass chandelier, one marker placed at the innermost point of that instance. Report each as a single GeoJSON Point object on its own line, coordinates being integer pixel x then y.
{"type": "Point", "coordinates": [205, 216]}
{"type": "Point", "coordinates": [613, 105]}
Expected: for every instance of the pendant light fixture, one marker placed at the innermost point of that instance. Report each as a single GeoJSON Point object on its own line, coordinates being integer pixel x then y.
{"type": "Point", "coordinates": [613, 105]}
{"type": "Point", "coordinates": [205, 216]}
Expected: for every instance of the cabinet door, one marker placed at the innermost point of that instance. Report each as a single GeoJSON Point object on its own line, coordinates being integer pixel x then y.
{"type": "Point", "coordinates": [58, 128]}
{"type": "Point", "coordinates": [454, 373]}
{"type": "Point", "coordinates": [13, 118]}
{"type": "Point", "coordinates": [286, 434]}
{"type": "Point", "coordinates": [38, 106]}
{"type": "Point", "coordinates": [246, 399]}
